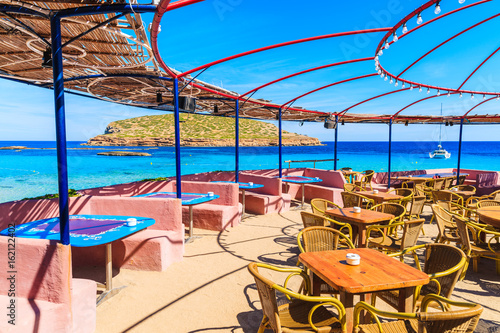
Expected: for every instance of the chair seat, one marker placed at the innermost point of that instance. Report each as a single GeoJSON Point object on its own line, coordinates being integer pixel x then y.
{"type": "Point", "coordinates": [483, 249]}
{"type": "Point", "coordinates": [386, 242]}
{"type": "Point", "coordinates": [293, 317]}
{"type": "Point", "coordinates": [398, 326]}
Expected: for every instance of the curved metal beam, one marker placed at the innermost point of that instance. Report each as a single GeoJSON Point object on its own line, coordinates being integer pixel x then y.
{"type": "Point", "coordinates": [293, 42]}
{"type": "Point", "coordinates": [446, 41]}
{"type": "Point", "coordinates": [420, 100]}
{"type": "Point", "coordinates": [304, 72]}
{"type": "Point", "coordinates": [477, 68]}
{"type": "Point", "coordinates": [372, 98]}
{"type": "Point", "coordinates": [328, 86]}
{"type": "Point", "coordinates": [486, 100]}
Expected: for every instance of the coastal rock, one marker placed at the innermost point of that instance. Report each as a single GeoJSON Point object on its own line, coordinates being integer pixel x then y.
{"type": "Point", "coordinates": [13, 148]}
{"type": "Point", "coordinates": [122, 153]}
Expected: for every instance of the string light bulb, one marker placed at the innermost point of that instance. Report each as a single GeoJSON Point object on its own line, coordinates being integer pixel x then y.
{"type": "Point", "coordinates": [438, 93]}
{"type": "Point", "coordinates": [390, 81]}
{"type": "Point", "coordinates": [449, 93]}
{"type": "Point", "coordinates": [394, 37]}
{"type": "Point", "coordinates": [498, 97]}
{"type": "Point", "coordinates": [381, 74]}
{"type": "Point", "coordinates": [428, 91]}
{"type": "Point", "coordinates": [437, 10]}
{"type": "Point", "coordinates": [403, 85]}
{"type": "Point", "coordinates": [411, 87]}
{"type": "Point", "coordinates": [385, 78]}
{"type": "Point", "coordinates": [405, 28]}
{"type": "Point", "coordinates": [380, 71]}
{"type": "Point", "coordinates": [380, 52]}
{"type": "Point", "coordinates": [471, 96]}
{"type": "Point", "coordinates": [461, 1]}
{"type": "Point", "coordinates": [419, 89]}
{"type": "Point", "coordinates": [386, 45]}
{"type": "Point", "coordinates": [484, 97]}
{"type": "Point", "coordinates": [419, 18]}
{"type": "Point", "coordinates": [396, 83]}
{"type": "Point", "coordinates": [460, 95]}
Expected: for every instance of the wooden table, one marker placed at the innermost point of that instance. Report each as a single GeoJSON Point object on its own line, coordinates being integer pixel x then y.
{"type": "Point", "coordinates": [380, 196]}
{"type": "Point", "coordinates": [361, 221]}
{"type": "Point", "coordinates": [376, 272]}
{"type": "Point", "coordinates": [490, 215]}
{"type": "Point", "coordinates": [464, 194]}
{"type": "Point", "coordinates": [352, 175]}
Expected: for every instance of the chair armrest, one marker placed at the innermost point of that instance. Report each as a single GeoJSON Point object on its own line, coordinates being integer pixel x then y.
{"type": "Point", "coordinates": [375, 313]}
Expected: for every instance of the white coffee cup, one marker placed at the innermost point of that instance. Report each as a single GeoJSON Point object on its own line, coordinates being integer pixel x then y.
{"type": "Point", "coordinates": [375, 191]}
{"type": "Point", "coordinates": [251, 184]}
{"type": "Point", "coordinates": [454, 189]}
{"type": "Point", "coordinates": [353, 258]}
{"type": "Point", "coordinates": [131, 222]}
{"type": "Point", "coordinates": [357, 209]}
{"type": "Point", "coordinates": [210, 194]}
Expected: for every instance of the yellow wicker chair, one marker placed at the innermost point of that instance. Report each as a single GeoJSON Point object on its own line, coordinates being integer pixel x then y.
{"type": "Point", "coordinates": [416, 207]}
{"type": "Point", "coordinates": [381, 240]}
{"type": "Point", "coordinates": [301, 313]}
{"type": "Point", "coordinates": [391, 208]}
{"type": "Point", "coordinates": [485, 241]}
{"type": "Point", "coordinates": [446, 226]}
{"type": "Point", "coordinates": [488, 203]}
{"type": "Point", "coordinates": [319, 220]}
{"type": "Point", "coordinates": [471, 203]}
{"type": "Point", "coordinates": [315, 239]}
{"type": "Point", "coordinates": [465, 188]}
{"type": "Point", "coordinates": [443, 263]}
{"type": "Point", "coordinates": [351, 199]}
{"type": "Point", "coordinates": [462, 320]}
{"type": "Point", "coordinates": [448, 181]}
{"type": "Point", "coordinates": [320, 206]}
{"type": "Point", "coordinates": [352, 188]}
{"type": "Point", "coordinates": [366, 180]}
{"type": "Point", "coordinates": [406, 193]}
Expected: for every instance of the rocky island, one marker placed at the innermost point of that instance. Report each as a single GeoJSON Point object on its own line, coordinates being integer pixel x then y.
{"type": "Point", "coordinates": [196, 131]}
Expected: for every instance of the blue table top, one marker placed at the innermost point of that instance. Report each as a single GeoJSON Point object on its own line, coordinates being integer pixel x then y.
{"type": "Point", "coordinates": [243, 186]}
{"type": "Point", "coordinates": [441, 175]}
{"type": "Point", "coordinates": [300, 179]}
{"type": "Point", "coordinates": [187, 199]}
{"type": "Point", "coordinates": [84, 230]}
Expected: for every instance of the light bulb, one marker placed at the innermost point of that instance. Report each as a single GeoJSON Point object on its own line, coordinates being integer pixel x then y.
{"type": "Point", "coordinates": [390, 81]}
{"type": "Point", "coordinates": [437, 10]}
{"type": "Point", "coordinates": [386, 45]}
{"type": "Point", "coordinates": [385, 78]}
{"type": "Point", "coordinates": [376, 58]}
{"type": "Point", "coordinates": [471, 96]}
{"type": "Point", "coordinates": [419, 89]}
{"type": "Point", "coordinates": [428, 91]}
{"type": "Point", "coordinates": [395, 83]}
{"type": "Point", "coordinates": [461, 1]}
{"type": "Point", "coordinates": [449, 94]}
{"type": "Point", "coordinates": [484, 97]}
{"type": "Point", "coordinates": [380, 52]}
{"type": "Point", "coordinates": [411, 87]}
{"type": "Point", "coordinates": [403, 85]}
{"type": "Point", "coordinates": [395, 37]}
{"type": "Point", "coordinates": [460, 95]}
{"type": "Point", "coordinates": [419, 19]}
{"type": "Point", "coordinates": [438, 93]}
{"type": "Point", "coordinates": [380, 71]}
{"type": "Point", "coordinates": [377, 68]}
{"type": "Point", "coordinates": [405, 28]}
{"type": "Point", "coordinates": [498, 97]}
{"type": "Point", "coordinates": [382, 75]}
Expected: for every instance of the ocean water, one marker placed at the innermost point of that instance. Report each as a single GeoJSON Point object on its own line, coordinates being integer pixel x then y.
{"type": "Point", "coordinates": [33, 172]}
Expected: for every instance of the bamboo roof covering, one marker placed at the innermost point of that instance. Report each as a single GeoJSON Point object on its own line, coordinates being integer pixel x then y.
{"type": "Point", "coordinates": [115, 62]}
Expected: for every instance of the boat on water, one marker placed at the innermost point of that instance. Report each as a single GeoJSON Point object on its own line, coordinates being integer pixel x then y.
{"type": "Point", "coordinates": [440, 153]}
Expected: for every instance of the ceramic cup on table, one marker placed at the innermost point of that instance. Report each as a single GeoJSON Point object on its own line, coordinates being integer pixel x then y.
{"type": "Point", "coordinates": [353, 259]}
{"type": "Point", "coordinates": [131, 222]}
{"type": "Point", "coordinates": [210, 194]}
{"type": "Point", "coordinates": [375, 191]}
{"type": "Point", "coordinates": [357, 209]}
{"type": "Point", "coordinates": [251, 184]}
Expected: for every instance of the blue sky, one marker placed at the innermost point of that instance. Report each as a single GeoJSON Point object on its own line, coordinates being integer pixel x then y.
{"type": "Point", "coordinates": [214, 29]}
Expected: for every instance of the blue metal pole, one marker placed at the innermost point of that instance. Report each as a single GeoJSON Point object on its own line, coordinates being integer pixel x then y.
{"type": "Point", "coordinates": [460, 148]}
{"type": "Point", "coordinates": [335, 147]}
{"type": "Point", "coordinates": [280, 152]}
{"type": "Point", "coordinates": [390, 146]}
{"type": "Point", "coordinates": [62, 160]}
{"type": "Point", "coordinates": [177, 139]}
{"type": "Point", "coordinates": [237, 140]}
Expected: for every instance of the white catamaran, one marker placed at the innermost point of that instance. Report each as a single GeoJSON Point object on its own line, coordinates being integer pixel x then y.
{"type": "Point", "coordinates": [440, 152]}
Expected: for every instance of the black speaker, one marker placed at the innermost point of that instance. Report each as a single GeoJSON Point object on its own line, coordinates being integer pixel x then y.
{"type": "Point", "coordinates": [330, 124]}
{"type": "Point", "coordinates": [187, 103]}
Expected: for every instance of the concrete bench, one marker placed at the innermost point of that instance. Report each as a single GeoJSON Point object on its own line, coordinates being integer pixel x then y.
{"type": "Point", "coordinates": [265, 200]}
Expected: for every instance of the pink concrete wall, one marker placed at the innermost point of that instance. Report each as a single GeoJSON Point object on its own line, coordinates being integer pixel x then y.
{"type": "Point", "coordinates": [228, 192]}
{"type": "Point", "coordinates": [272, 185]}
{"type": "Point", "coordinates": [329, 178]}
{"type": "Point", "coordinates": [130, 189]}
{"type": "Point", "coordinates": [43, 269]}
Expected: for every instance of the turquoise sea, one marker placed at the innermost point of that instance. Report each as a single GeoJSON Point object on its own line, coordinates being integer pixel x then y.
{"type": "Point", "coordinates": [33, 172]}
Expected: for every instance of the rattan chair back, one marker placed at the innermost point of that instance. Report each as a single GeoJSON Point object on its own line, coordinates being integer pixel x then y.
{"type": "Point", "coordinates": [348, 187]}
{"type": "Point", "coordinates": [465, 188]}
{"type": "Point", "coordinates": [351, 199]}
{"type": "Point", "coordinates": [448, 182]}
{"type": "Point", "coordinates": [446, 225]}
{"type": "Point", "coordinates": [416, 206]}
{"type": "Point", "coordinates": [314, 239]}
{"type": "Point", "coordinates": [320, 206]}
{"type": "Point", "coordinates": [438, 184]}
{"type": "Point", "coordinates": [391, 208]}
{"type": "Point", "coordinates": [488, 203]}
{"type": "Point", "coordinates": [313, 220]}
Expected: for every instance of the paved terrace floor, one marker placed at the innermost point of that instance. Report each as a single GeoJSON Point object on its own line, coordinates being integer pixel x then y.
{"type": "Point", "coordinates": [212, 291]}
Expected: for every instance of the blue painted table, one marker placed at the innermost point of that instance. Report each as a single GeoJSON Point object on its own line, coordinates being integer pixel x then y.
{"type": "Point", "coordinates": [302, 180]}
{"type": "Point", "coordinates": [243, 187]}
{"type": "Point", "coordinates": [187, 199]}
{"type": "Point", "coordinates": [85, 231]}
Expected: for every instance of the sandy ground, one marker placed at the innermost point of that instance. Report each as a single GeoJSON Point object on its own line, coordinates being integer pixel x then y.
{"type": "Point", "coordinates": [212, 291]}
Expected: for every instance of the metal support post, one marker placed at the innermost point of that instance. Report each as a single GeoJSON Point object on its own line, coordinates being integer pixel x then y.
{"type": "Point", "coordinates": [177, 139]}
{"type": "Point", "coordinates": [335, 146]}
{"type": "Point", "coordinates": [237, 142]}
{"type": "Point", "coordinates": [390, 146]}
{"type": "Point", "coordinates": [460, 148]}
{"type": "Point", "coordinates": [280, 152]}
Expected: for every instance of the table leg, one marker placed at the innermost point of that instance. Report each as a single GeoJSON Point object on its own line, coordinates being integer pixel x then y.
{"type": "Point", "coordinates": [405, 303]}
{"type": "Point", "coordinates": [302, 195]}
{"type": "Point", "coordinates": [109, 291]}
{"type": "Point", "coordinates": [361, 236]}
{"type": "Point", "coordinates": [316, 284]}
{"type": "Point", "coordinates": [348, 300]}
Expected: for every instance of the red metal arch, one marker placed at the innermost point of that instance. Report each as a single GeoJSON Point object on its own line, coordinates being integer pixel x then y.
{"type": "Point", "coordinates": [304, 72]}
{"type": "Point", "coordinates": [270, 47]}
{"type": "Point", "coordinates": [369, 99]}
{"type": "Point", "coordinates": [475, 106]}
{"type": "Point", "coordinates": [420, 100]}
{"type": "Point", "coordinates": [328, 86]}
{"type": "Point", "coordinates": [477, 68]}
